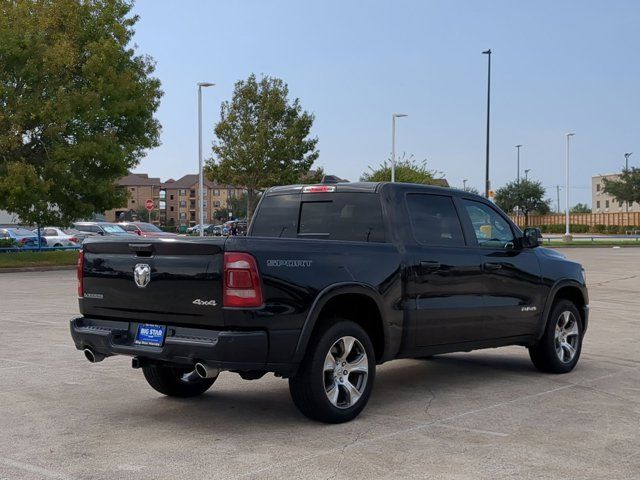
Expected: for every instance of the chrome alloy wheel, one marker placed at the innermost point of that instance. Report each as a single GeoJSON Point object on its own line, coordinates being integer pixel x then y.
{"type": "Point", "coordinates": [346, 368]}
{"type": "Point", "coordinates": [566, 336]}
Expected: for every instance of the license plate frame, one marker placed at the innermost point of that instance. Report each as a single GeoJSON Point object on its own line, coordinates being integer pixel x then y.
{"type": "Point", "coordinates": [150, 334]}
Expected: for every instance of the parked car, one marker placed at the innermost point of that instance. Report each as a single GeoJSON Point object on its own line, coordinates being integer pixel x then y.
{"type": "Point", "coordinates": [101, 228]}
{"type": "Point", "coordinates": [240, 226]}
{"type": "Point", "coordinates": [196, 228]}
{"type": "Point", "coordinates": [144, 229]}
{"type": "Point", "coordinates": [58, 237]}
{"type": "Point", "coordinates": [331, 281]}
{"type": "Point", "coordinates": [214, 230]}
{"type": "Point", "coordinates": [23, 237]}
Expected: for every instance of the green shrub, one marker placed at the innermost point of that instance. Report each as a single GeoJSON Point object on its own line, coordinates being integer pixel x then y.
{"type": "Point", "coordinates": [7, 242]}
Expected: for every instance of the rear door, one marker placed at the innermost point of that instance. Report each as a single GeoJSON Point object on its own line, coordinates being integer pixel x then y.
{"type": "Point", "coordinates": [511, 275]}
{"type": "Point", "coordinates": [176, 281]}
{"type": "Point", "coordinates": [443, 278]}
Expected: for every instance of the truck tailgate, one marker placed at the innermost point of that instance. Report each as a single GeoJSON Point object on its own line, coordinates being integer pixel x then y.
{"type": "Point", "coordinates": [164, 280]}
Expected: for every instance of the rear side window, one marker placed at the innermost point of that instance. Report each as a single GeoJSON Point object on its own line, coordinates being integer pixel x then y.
{"type": "Point", "coordinates": [434, 220]}
{"type": "Point", "coordinates": [355, 217]}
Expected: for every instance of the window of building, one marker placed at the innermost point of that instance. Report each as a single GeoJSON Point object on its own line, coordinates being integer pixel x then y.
{"type": "Point", "coordinates": [606, 204]}
{"type": "Point", "coordinates": [204, 203]}
{"type": "Point", "coordinates": [620, 204]}
{"type": "Point", "coordinates": [597, 187]}
{"type": "Point", "coordinates": [171, 197]}
{"type": "Point", "coordinates": [133, 189]}
{"type": "Point", "coordinates": [216, 193]}
{"type": "Point", "coordinates": [192, 193]}
{"type": "Point", "coordinates": [182, 193]}
{"type": "Point", "coordinates": [216, 204]}
{"type": "Point", "coordinates": [183, 203]}
{"type": "Point", "coordinates": [598, 204]}
{"type": "Point", "coordinates": [171, 209]}
{"type": "Point", "coordinates": [183, 215]}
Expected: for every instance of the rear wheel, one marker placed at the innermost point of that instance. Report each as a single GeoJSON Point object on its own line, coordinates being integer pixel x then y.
{"type": "Point", "coordinates": [336, 377]}
{"type": "Point", "coordinates": [176, 381]}
{"type": "Point", "coordinates": [559, 348]}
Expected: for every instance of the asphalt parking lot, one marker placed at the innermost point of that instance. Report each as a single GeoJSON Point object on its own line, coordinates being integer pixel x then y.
{"type": "Point", "coordinates": [480, 415]}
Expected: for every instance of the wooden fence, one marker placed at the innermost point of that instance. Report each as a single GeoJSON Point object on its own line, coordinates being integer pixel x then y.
{"type": "Point", "coordinates": [591, 219]}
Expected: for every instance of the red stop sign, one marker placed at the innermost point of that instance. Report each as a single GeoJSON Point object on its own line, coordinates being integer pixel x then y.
{"type": "Point", "coordinates": [149, 205]}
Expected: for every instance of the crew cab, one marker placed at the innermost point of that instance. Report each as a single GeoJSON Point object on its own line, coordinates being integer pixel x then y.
{"type": "Point", "coordinates": [330, 281]}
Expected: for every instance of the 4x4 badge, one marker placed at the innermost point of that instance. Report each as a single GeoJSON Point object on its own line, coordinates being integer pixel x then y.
{"type": "Point", "coordinates": [142, 274]}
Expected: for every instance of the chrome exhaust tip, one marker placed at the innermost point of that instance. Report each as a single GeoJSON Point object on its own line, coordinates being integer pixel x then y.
{"type": "Point", "coordinates": [92, 356]}
{"type": "Point", "coordinates": [205, 371]}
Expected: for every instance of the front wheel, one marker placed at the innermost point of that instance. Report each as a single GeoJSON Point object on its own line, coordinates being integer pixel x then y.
{"type": "Point", "coordinates": [559, 348]}
{"type": "Point", "coordinates": [176, 381]}
{"type": "Point", "coordinates": [336, 377]}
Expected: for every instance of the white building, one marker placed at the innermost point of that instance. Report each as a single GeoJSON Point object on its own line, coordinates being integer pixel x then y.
{"type": "Point", "coordinates": [604, 203]}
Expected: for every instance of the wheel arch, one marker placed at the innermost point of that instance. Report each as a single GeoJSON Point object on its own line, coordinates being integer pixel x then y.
{"type": "Point", "coordinates": [352, 301]}
{"type": "Point", "coordinates": [569, 290]}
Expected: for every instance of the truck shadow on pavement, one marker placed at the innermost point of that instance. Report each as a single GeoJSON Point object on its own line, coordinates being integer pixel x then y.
{"type": "Point", "coordinates": [401, 388]}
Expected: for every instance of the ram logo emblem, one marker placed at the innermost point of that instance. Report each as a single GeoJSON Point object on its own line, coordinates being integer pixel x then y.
{"type": "Point", "coordinates": [142, 274]}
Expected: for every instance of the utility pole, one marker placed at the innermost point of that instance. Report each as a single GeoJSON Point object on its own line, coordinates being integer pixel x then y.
{"type": "Point", "coordinates": [487, 183]}
{"type": "Point", "coordinates": [518, 177]}
{"type": "Point", "coordinates": [558, 196]}
{"type": "Point", "coordinates": [626, 167]}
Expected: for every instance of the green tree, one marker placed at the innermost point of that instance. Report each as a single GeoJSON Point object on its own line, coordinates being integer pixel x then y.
{"type": "Point", "coordinates": [408, 170]}
{"type": "Point", "coordinates": [527, 196]}
{"type": "Point", "coordinates": [580, 208]}
{"type": "Point", "coordinates": [143, 214]}
{"type": "Point", "coordinates": [262, 138]}
{"type": "Point", "coordinates": [76, 107]}
{"type": "Point", "coordinates": [471, 190]}
{"type": "Point", "coordinates": [625, 188]}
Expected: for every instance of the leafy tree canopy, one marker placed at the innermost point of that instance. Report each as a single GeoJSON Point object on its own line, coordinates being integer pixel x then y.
{"type": "Point", "coordinates": [408, 170]}
{"type": "Point", "coordinates": [626, 188]}
{"type": "Point", "coordinates": [262, 137]}
{"type": "Point", "coordinates": [580, 208]}
{"type": "Point", "coordinates": [526, 195]}
{"type": "Point", "coordinates": [76, 107]}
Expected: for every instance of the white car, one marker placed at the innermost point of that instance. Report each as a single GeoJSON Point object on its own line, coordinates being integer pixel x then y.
{"type": "Point", "coordinates": [57, 237]}
{"type": "Point", "coordinates": [196, 228]}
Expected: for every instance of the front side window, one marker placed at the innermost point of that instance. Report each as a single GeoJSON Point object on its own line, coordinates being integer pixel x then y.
{"type": "Point", "coordinates": [113, 229]}
{"type": "Point", "coordinates": [490, 228]}
{"type": "Point", "coordinates": [434, 220]}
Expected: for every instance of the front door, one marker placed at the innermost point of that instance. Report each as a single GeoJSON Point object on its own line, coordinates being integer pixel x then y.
{"type": "Point", "coordinates": [511, 276]}
{"type": "Point", "coordinates": [443, 281]}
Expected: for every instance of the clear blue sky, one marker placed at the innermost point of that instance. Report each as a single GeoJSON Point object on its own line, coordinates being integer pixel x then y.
{"type": "Point", "coordinates": [557, 66]}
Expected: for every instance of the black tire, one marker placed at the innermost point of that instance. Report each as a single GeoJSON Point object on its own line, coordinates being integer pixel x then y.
{"type": "Point", "coordinates": [546, 354]}
{"type": "Point", "coordinates": [171, 381]}
{"type": "Point", "coordinates": [309, 386]}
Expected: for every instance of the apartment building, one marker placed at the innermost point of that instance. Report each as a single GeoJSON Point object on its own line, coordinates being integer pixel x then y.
{"type": "Point", "coordinates": [140, 188]}
{"type": "Point", "coordinates": [604, 203]}
{"type": "Point", "coordinates": [181, 199]}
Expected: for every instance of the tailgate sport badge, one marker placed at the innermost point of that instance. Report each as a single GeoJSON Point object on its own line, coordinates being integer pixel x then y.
{"type": "Point", "coordinates": [142, 274]}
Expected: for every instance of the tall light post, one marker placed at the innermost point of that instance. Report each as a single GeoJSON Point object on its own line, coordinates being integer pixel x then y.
{"type": "Point", "coordinates": [464, 184]}
{"type": "Point", "coordinates": [487, 183]}
{"type": "Point", "coordinates": [526, 174]}
{"type": "Point", "coordinates": [200, 165]}
{"type": "Point", "coordinates": [567, 233]}
{"type": "Point", "coordinates": [626, 167]}
{"type": "Point", "coordinates": [518, 161]}
{"type": "Point", "coordinates": [393, 144]}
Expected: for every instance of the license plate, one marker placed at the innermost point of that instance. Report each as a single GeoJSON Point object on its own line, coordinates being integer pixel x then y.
{"type": "Point", "coordinates": [150, 335]}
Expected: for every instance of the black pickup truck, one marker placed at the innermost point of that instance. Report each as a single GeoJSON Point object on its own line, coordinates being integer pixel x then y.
{"type": "Point", "coordinates": [330, 281]}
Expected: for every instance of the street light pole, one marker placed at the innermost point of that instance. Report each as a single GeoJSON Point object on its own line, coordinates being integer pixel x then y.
{"type": "Point", "coordinates": [518, 177]}
{"type": "Point", "coordinates": [464, 184]}
{"type": "Point", "coordinates": [567, 234]}
{"type": "Point", "coordinates": [626, 168]}
{"type": "Point", "coordinates": [526, 174]}
{"type": "Point", "coordinates": [200, 165]}
{"type": "Point", "coordinates": [487, 184]}
{"type": "Point", "coordinates": [393, 144]}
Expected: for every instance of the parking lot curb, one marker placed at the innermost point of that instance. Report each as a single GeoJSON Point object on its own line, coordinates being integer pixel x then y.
{"type": "Point", "coordinates": [37, 269]}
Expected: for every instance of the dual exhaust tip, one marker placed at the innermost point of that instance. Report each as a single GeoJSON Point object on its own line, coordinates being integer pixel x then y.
{"type": "Point", "coordinates": [202, 369]}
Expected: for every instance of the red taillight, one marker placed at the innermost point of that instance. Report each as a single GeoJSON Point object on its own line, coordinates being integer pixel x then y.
{"type": "Point", "coordinates": [80, 273]}
{"type": "Point", "coordinates": [318, 189]}
{"type": "Point", "coordinates": [241, 283]}
{"type": "Point", "coordinates": [73, 239]}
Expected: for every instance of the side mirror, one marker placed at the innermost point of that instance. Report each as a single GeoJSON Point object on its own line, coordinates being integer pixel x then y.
{"type": "Point", "coordinates": [532, 237]}
{"type": "Point", "coordinates": [100, 232]}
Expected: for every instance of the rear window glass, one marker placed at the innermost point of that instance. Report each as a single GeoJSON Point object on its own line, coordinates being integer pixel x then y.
{"type": "Point", "coordinates": [113, 229]}
{"type": "Point", "coordinates": [148, 227]}
{"type": "Point", "coordinates": [434, 220]}
{"type": "Point", "coordinates": [353, 217]}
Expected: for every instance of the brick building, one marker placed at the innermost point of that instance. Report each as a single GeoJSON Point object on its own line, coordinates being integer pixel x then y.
{"type": "Point", "coordinates": [181, 197]}
{"type": "Point", "coordinates": [140, 188]}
